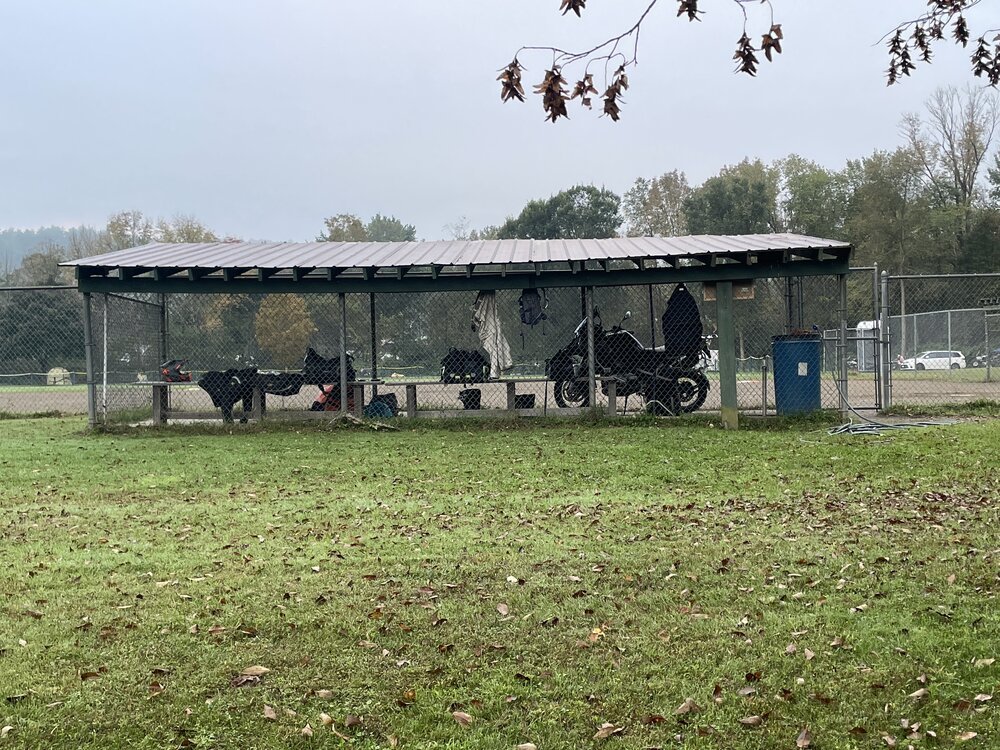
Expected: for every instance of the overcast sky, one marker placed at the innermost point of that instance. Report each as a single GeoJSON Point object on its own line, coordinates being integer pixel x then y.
{"type": "Point", "coordinates": [261, 117]}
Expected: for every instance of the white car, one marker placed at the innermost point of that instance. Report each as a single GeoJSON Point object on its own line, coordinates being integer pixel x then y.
{"type": "Point", "coordinates": [938, 360]}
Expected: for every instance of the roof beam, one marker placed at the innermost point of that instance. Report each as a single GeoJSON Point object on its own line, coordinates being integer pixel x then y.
{"type": "Point", "coordinates": [298, 273]}
{"type": "Point", "coordinates": [194, 274]}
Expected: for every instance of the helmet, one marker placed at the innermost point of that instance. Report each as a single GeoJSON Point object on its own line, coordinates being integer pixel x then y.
{"type": "Point", "coordinates": [170, 372]}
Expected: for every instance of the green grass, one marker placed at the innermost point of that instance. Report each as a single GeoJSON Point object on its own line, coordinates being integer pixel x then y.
{"type": "Point", "coordinates": [542, 577]}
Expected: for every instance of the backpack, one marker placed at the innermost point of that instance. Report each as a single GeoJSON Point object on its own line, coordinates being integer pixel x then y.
{"type": "Point", "coordinates": [464, 366]}
{"type": "Point", "coordinates": [532, 307]}
{"type": "Point", "coordinates": [681, 323]}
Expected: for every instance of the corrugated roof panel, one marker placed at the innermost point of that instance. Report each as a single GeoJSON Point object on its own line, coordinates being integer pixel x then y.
{"type": "Point", "coordinates": [445, 253]}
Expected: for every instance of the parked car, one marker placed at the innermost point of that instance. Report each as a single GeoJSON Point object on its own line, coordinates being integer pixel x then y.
{"type": "Point", "coordinates": [938, 360]}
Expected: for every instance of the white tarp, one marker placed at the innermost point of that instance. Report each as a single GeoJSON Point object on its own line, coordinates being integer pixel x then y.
{"type": "Point", "coordinates": [486, 322]}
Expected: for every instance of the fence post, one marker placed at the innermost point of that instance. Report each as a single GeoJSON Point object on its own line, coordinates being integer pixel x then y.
{"type": "Point", "coordinates": [343, 352]}
{"type": "Point", "coordinates": [163, 327]}
{"type": "Point", "coordinates": [104, 378]}
{"type": "Point", "coordinates": [374, 342]}
{"type": "Point", "coordinates": [591, 361]}
{"type": "Point", "coordinates": [88, 348]}
{"type": "Point", "coordinates": [902, 318]}
{"type": "Point", "coordinates": [989, 352]}
{"type": "Point", "coordinates": [885, 344]}
{"type": "Point", "coordinates": [842, 345]}
{"type": "Point", "coordinates": [727, 354]}
{"type": "Point", "coordinates": [876, 339]}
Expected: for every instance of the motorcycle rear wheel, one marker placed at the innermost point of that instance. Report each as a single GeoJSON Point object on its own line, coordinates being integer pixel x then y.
{"type": "Point", "coordinates": [685, 395]}
{"type": "Point", "coordinates": [570, 393]}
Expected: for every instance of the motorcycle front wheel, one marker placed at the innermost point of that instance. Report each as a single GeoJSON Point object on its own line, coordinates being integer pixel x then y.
{"type": "Point", "coordinates": [572, 393]}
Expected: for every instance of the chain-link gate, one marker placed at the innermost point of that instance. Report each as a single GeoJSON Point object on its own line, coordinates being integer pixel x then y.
{"type": "Point", "coordinates": [944, 339]}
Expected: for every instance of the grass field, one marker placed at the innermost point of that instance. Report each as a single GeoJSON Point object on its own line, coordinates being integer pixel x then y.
{"type": "Point", "coordinates": [473, 586]}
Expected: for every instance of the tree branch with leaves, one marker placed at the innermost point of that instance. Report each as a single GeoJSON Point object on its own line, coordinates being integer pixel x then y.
{"type": "Point", "coordinates": [914, 38]}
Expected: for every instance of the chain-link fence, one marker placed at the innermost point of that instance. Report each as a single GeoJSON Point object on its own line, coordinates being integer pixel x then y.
{"type": "Point", "coordinates": [425, 355]}
{"type": "Point", "coordinates": [944, 339]}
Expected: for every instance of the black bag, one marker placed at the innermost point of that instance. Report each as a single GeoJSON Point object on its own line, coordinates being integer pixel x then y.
{"type": "Point", "coordinates": [532, 307]}
{"type": "Point", "coordinates": [317, 370]}
{"type": "Point", "coordinates": [681, 325]}
{"type": "Point", "coordinates": [464, 366]}
{"type": "Point", "coordinates": [471, 398]}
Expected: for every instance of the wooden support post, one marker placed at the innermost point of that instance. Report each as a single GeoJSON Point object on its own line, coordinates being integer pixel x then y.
{"type": "Point", "coordinates": [257, 404]}
{"type": "Point", "coordinates": [159, 404]}
{"type": "Point", "coordinates": [510, 395]}
{"type": "Point", "coordinates": [591, 356]}
{"type": "Point", "coordinates": [613, 396]}
{"type": "Point", "coordinates": [88, 348]}
{"type": "Point", "coordinates": [343, 352]}
{"type": "Point", "coordinates": [359, 400]}
{"type": "Point", "coordinates": [727, 354]}
{"type": "Point", "coordinates": [411, 401]}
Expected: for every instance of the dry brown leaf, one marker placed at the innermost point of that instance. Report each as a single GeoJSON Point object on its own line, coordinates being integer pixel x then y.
{"type": "Point", "coordinates": [462, 718]}
{"type": "Point", "coordinates": [966, 736]}
{"type": "Point", "coordinates": [326, 719]}
{"type": "Point", "coordinates": [791, 648]}
{"type": "Point", "coordinates": [503, 609]}
{"type": "Point", "coordinates": [809, 655]}
{"type": "Point", "coordinates": [255, 671]}
{"type": "Point", "coordinates": [607, 730]}
{"type": "Point", "coordinates": [4, 731]}
{"type": "Point", "coordinates": [352, 721]}
{"type": "Point", "coordinates": [984, 662]}
{"type": "Point", "coordinates": [751, 721]}
{"type": "Point", "coordinates": [688, 707]}
{"type": "Point", "coordinates": [527, 746]}
{"type": "Point", "coordinates": [269, 713]}
{"type": "Point", "coordinates": [804, 739]}
{"type": "Point", "coordinates": [918, 694]}
{"type": "Point", "coordinates": [983, 697]}
{"type": "Point", "coordinates": [307, 731]}
{"type": "Point", "coordinates": [324, 694]}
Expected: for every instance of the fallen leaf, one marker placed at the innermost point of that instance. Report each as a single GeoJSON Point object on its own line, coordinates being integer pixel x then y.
{"type": "Point", "coordinates": [255, 671]}
{"type": "Point", "coordinates": [269, 713]}
{"type": "Point", "coordinates": [746, 692]}
{"type": "Point", "coordinates": [4, 731]}
{"type": "Point", "coordinates": [352, 721]}
{"type": "Point", "coordinates": [983, 697]}
{"type": "Point", "coordinates": [462, 718]}
{"type": "Point", "coordinates": [809, 655]}
{"type": "Point", "coordinates": [527, 746]}
{"type": "Point", "coordinates": [89, 675]}
{"type": "Point", "coordinates": [407, 698]}
{"type": "Point", "coordinates": [984, 662]}
{"type": "Point", "coordinates": [607, 730]}
{"type": "Point", "coordinates": [791, 648]}
{"type": "Point", "coordinates": [503, 609]}
{"type": "Point", "coordinates": [804, 739]}
{"type": "Point", "coordinates": [966, 736]}
{"type": "Point", "coordinates": [918, 694]}
{"type": "Point", "coordinates": [307, 731]}
{"type": "Point", "coordinates": [326, 719]}
{"type": "Point", "coordinates": [324, 694]}
{"type": "Point", "coordinates": [751, 721]}
{"type": "Point", "coordinates": [688, 707]}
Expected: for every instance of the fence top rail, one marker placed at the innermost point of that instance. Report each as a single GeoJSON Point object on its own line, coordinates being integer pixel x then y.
{"type": "Point", "coordinates": [45, 288]}
{"type": "Point", "coordinates": [907, 277]}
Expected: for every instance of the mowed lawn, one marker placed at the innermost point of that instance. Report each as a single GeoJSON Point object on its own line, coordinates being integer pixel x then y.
{"type": "Point", "coordinates": [568, 585]}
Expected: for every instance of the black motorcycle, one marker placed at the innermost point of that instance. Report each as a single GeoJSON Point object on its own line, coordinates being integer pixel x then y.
{"type": "Point", "coordinates": [670, 384]}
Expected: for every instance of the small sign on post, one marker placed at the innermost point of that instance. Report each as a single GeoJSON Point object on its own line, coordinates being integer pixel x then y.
{"type": "Point", "coordinates": [742, 290]}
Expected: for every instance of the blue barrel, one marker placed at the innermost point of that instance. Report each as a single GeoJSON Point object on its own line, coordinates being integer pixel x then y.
{"type": "Point", "coordinates": [796, 373]}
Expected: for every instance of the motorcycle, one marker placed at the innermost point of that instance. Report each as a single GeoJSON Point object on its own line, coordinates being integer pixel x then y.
{"type": "Point", "coordinates": [669, 384]}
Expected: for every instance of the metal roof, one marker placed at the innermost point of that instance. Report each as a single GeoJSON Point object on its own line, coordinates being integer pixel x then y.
{"type": "Point", "coordinates": [287, 255]}
{"type": "Point", "coordinates": [425, 266]}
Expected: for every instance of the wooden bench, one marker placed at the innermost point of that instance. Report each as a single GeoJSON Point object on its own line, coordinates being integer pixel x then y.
{"type": "Point", "coordinates": [511, 388]}
{"type": "Point", "coordinates": [162, 411]}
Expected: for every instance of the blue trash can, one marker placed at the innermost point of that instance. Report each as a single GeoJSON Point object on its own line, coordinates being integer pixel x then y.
{"type": "Point", "coordinates": [796, 373]}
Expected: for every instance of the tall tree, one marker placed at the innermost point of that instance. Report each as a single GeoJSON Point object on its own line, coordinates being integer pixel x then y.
{"type": "Point", "coordinates": [581, 212]}
{"type": "Point", "coordinates": [183, 228]}
{"type": "Point", "coordinates": [128, 229]}
{"type": "Point", "coordinates": [950, 143]}
{"type": "Point", "coordinates": [655, 208]}
{"type": "Point", "coordinates": [343, 228]}
{"type": "Point", "coordinates": [812, 199]}
{"type": "Point", "coordinates": [389, 229]}
{"type": "Point", "coordinates": [741, 199]}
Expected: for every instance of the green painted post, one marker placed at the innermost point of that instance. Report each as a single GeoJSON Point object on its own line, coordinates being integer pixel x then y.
{"type": "Point", "coordinates": [727, 354]}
